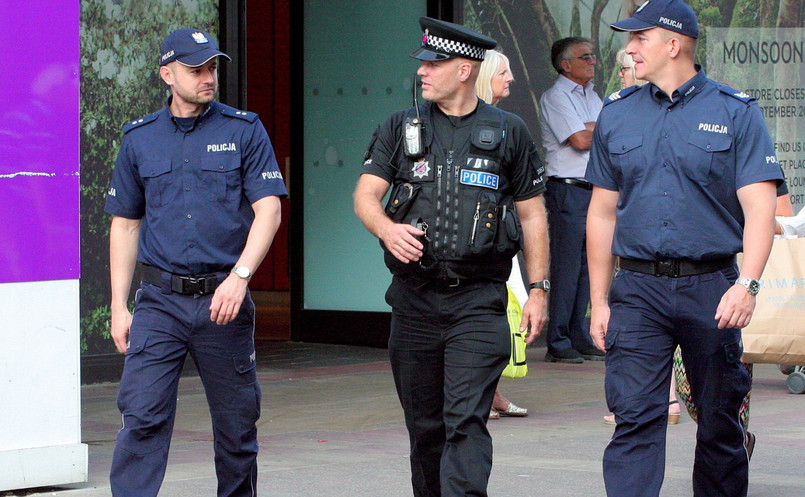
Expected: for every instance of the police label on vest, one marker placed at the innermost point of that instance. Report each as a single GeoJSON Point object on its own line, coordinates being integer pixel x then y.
{"type": "Point", "coordinates": [479, 178]}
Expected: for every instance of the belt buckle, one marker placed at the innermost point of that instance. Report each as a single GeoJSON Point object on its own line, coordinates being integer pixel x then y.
{"type": "Point", "coordinates": [667, 267]}
{"type": "Point", "coordinates": [191, 285]}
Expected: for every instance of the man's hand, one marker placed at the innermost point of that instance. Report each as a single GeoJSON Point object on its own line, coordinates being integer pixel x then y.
{"type": "Point", "coordinates": [599, 322]}
{"type": "Point", "coordinates": [535, 314]}
{"type": "Point", "coordinates": [735, 308]}
{"type": "Point", "coordinates": [400, 240]}
{"type": "Point", "coordinates": [227, 299]}
{"type": "Point", "coordinates": [121, 324]}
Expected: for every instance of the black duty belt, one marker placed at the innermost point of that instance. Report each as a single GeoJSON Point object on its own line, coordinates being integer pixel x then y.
{"type": "Point", "coordinates": [574, 182]}
{"type": "Point", "coordinates": [183, 284]}
{"type": "Point", "coordinates": [675, 268]}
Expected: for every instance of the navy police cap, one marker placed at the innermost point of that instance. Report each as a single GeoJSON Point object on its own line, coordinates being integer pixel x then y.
{"type": "Point", "coordinates": [190, 47]}
{"type": "Point", "coordinates": [673, 15]}
{"type": "Point", "coordinates": [444, 40]}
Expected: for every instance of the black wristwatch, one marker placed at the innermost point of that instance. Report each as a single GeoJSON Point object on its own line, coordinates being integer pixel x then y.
{"type": "Point", "coordinates": [541, 285]}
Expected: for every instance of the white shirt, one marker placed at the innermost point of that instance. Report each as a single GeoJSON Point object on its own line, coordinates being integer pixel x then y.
{"type": "Point", "coordinates": [793, 226]}
{"type": "Point", "coordinates": [564, 108]}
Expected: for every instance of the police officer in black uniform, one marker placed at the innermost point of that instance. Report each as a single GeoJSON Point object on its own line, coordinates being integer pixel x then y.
{"type": "Point", "coordinates": [195, 199]}
{"type": "Point", "coordinates": [685, 174]}
{"type": "Point", "coordinates": [466, 185]}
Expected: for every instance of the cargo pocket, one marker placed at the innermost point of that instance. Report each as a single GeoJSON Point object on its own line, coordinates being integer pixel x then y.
{"type": "Point", "coordinates": [735, 383]}
{"type": "Point", "coordinates": [247, 391]}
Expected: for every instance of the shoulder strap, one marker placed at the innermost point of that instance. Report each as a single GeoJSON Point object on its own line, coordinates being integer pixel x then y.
{"type": "Point", "coordinates": [619, 95]}
{"type": "Point", "coordinates": [140, 122]}
{"type": "Point", "coordinates": [238, 114]}
{"type": "Point", "coordinates": [736, 94]}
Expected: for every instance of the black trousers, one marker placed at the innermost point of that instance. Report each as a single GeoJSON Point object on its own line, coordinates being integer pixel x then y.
{"type": "Point", "coordinates": [448, 347]}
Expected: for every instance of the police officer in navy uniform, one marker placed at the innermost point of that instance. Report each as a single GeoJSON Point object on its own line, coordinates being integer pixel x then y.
{"type": "Point", "coordinates": [685, 176]}
{"type": "Point", "coordinates": [195, 199]}
{"type": "Point", "coordinates": [466, 185]}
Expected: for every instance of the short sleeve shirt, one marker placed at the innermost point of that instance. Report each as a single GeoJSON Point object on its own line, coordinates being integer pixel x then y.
{"type": "Point", "coordinates": [677, 165]}
{"type": "Point", "coordinates": [564, 109]}
{"type": "Point", "coordinates": [521, 164]}
{"type": "Point", "coordinates": [193, 189]}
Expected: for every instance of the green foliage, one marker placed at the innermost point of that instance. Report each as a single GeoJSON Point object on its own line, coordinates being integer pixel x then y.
{"type": "Point", "coordinates": [120, 42]}
{"type": "Point", "coordinates": [575, 20]}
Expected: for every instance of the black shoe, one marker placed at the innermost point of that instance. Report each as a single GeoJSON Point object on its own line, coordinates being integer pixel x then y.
{"type": "Point", "coordinates": [569, 355]}
{"type": "Point", "coordinates": [592, 354]}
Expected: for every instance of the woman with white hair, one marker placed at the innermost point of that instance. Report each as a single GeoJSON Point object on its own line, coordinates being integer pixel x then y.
{"type": "Point", "coordinates": [492, 85]}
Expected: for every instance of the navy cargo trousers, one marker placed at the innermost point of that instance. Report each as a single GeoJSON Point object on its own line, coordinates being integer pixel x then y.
{"type": "Point", "coordinates": [165, 328]}
{"type": "Point", "coordinates": [650, 315]}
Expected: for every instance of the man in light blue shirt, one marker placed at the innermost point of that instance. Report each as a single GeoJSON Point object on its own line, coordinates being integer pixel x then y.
{"type": "Point", "coordinates": [568, 113]}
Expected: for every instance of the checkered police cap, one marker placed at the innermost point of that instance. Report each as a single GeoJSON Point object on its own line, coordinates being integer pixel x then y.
{"type": "Point", "coordinates": [444, 40]}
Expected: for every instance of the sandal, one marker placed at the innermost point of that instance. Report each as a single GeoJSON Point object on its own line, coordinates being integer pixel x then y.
{"type": "Point", "coordinates": [673, 417]}
{"type": "Point", "coordinates": [493, 414]}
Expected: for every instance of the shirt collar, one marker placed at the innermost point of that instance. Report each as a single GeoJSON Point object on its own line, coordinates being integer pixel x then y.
{"type": "Point", "coordinates": [204, 113]}
{"type": "Point", "coordinates": [685, 92]}
{"type": "Point", "coordinates": [569, 85]}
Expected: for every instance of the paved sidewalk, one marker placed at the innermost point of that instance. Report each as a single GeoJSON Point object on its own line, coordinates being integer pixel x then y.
{"type": "Point", "coordinates": [332, 427]}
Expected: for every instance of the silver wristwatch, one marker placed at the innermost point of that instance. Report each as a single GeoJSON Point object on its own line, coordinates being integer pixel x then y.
{"type": "Point", "coordinates": [243, 272]}
{"type": "Point", "coordinates": [752, 286]}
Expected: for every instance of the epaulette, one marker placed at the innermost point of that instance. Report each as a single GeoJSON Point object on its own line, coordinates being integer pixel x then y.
{"type": "Point", "coordinates": [240, 114]}
{"type": "Point", "coordinates": [736, 94]}
{"type": "Point", "coordinates": [140, 122]}
{"type": "Point", "coordinates": [621, 94]}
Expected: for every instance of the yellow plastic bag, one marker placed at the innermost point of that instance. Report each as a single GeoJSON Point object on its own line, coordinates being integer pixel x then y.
{"type": "Point", "coordinates": [517, 367]}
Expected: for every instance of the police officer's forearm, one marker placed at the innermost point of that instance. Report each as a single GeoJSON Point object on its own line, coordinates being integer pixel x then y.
{"type": "Point", "coordinates": [534, 219]}
{"type": "Point", "coordinates": [600, 232]}
{"type": "Point", "coordinates": [124, 235]}
{"type": "Point", "coordinates": [267, 218]}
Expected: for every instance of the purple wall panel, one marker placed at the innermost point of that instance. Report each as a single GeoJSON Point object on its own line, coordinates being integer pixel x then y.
{"type": "Point", "coordinates": [39, 137]}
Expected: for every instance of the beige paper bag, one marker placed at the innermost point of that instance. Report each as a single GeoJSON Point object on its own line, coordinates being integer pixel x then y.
{"type": "Point", "coordinates": [776, 334]}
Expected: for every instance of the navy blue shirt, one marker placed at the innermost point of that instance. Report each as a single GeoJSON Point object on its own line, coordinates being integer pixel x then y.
{"type": "Point", "coordinates": [193, 186]}
{"type": "Point", "coordinates": [677, 164]}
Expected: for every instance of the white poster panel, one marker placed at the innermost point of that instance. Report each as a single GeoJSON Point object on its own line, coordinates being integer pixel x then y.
{"type": "Point", "coordinates": [768, 64]}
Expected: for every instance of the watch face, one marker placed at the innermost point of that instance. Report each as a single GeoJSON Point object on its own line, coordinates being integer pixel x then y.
{"type": "Point", "coordinates": [754, 287]}
{"type": "Point", "coordinates": [243, 272]}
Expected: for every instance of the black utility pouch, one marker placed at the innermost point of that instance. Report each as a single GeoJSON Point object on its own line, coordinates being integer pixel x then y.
{"type": "Point", "coordinates": [401, 199]}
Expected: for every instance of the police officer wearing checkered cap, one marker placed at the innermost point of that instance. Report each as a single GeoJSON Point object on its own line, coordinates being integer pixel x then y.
{"type": "Point", "coordinates": [685, 175]}
{"type": "Point", "coordinates": [466, 194]}
{"type": "Point", "coordinates": [195, 203]}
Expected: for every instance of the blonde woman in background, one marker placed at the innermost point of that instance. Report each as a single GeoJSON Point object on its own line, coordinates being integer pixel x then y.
{"type": "Point", "coordinates": [492, 85]}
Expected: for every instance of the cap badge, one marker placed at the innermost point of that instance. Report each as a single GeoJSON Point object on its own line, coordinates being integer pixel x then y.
{"type": "Point", "coordinates": [200, 38]}
{"type": "Point", "coordinates": [642, 6]}
{"type": "Point", "coordinates": [425, 38]}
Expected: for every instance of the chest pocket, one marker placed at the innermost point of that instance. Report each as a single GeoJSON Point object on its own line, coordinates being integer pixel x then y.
{"type": "Point", "coordinates": [157, 180]}
{"type": "Point", "coordinates": [221, 177]}
{"type": "Point", "coordinates": [707, 158]}
{"type": "Point", "coordinates": [626, 154]}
